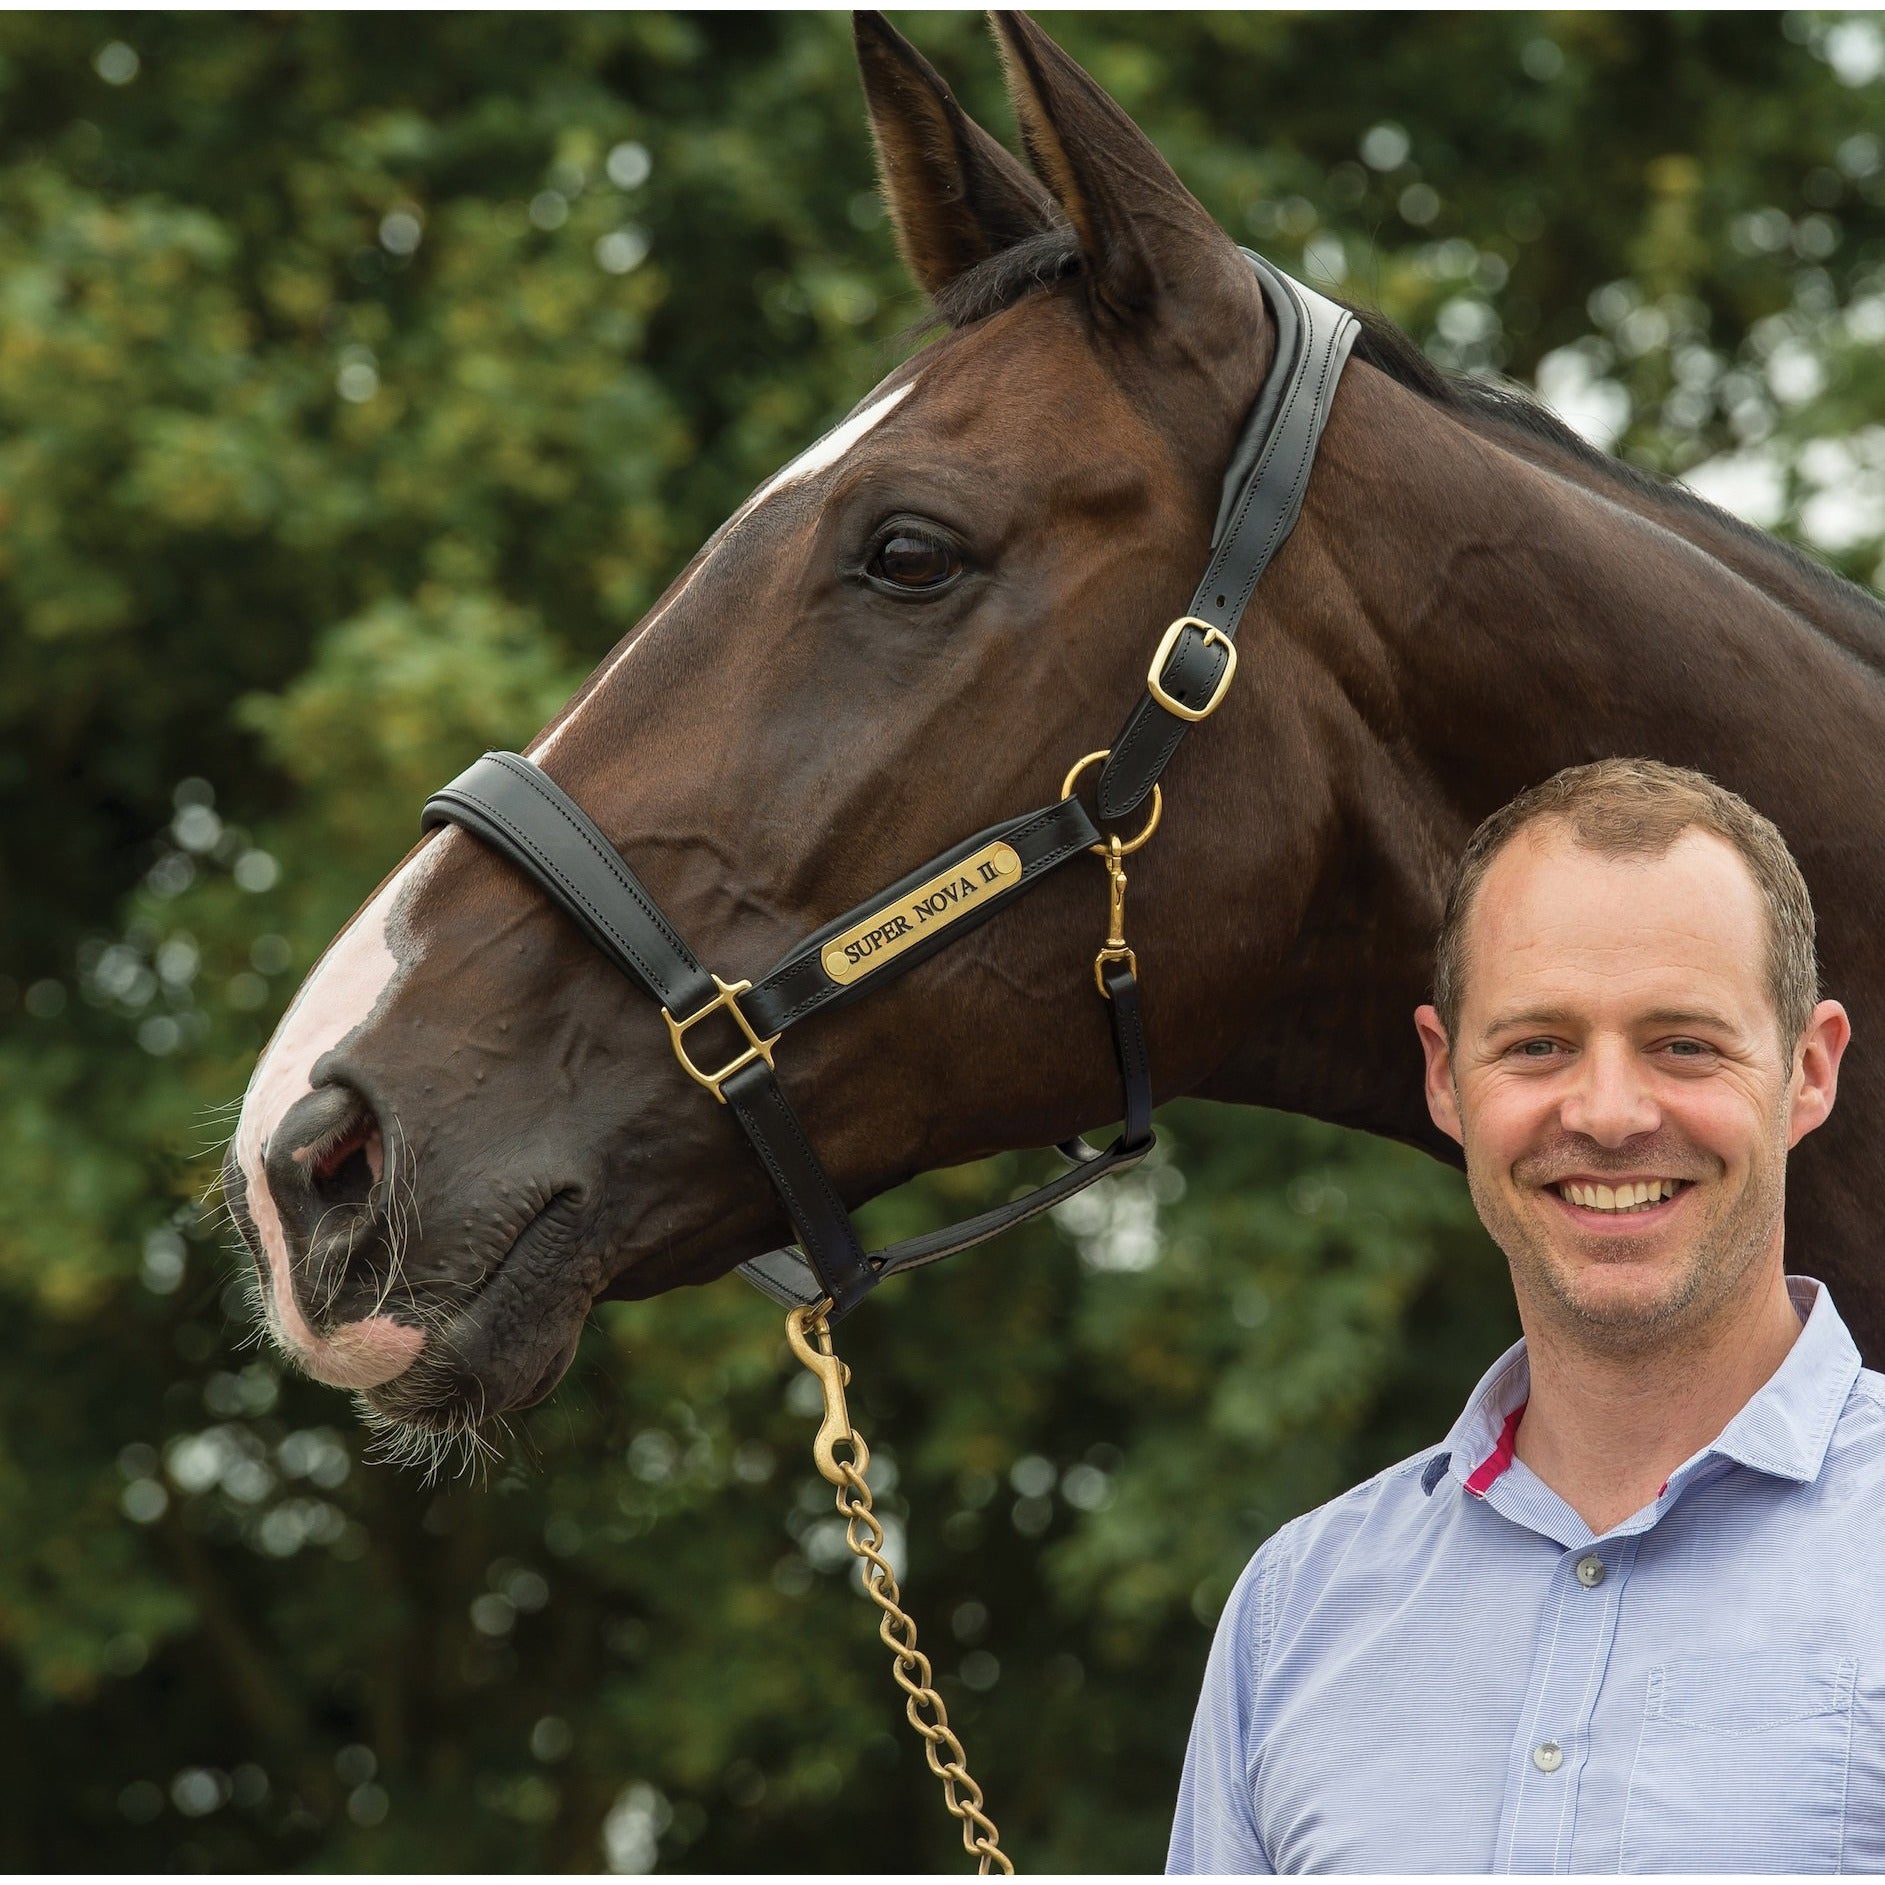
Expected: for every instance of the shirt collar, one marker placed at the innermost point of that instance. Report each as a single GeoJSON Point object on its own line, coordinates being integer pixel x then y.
{"type": "Point", "coordinates": [1480, 1443]}
{"type": "Point", "coordinates": [1784, 1429]}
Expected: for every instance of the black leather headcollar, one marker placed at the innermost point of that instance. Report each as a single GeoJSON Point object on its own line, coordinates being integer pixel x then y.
{"type": "Point", "coordinates": [517, 809]}
{"type": "Point", "coordinates": [512, 805]}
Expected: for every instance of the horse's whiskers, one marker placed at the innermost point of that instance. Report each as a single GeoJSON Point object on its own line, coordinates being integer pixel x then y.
{"type": "Point", "coordinates": [433, 1450]}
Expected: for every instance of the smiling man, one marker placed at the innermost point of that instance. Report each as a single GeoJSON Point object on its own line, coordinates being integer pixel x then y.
{"type": "Point", "coordinates": [1629, 1616]}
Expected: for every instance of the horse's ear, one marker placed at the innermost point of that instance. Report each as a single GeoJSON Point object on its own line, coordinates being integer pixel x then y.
{"type": "Point", "coordinates": [1144, 238]}
{"type": "Point", "coordinates": [955, 195]}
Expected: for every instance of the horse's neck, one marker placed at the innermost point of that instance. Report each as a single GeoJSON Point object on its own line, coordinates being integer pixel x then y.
{"type": "Point", "coordinates": [1472, 611]}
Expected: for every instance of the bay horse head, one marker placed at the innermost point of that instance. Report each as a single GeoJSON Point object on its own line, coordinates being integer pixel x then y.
{"type": "Point", "coordinates": [469, 1128]}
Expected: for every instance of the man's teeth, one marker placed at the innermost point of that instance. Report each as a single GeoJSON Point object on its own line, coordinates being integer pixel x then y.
{"type": "Point", "coordinates": [1638, 1196]}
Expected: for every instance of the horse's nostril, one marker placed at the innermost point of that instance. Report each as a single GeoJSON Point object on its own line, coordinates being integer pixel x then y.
{"type": "Point", "coordinates": [346, 1171]}
{"type": "Point", "coordinates": [325, 1152]}
{"type": "Point", "coordinates": [325, 1167]}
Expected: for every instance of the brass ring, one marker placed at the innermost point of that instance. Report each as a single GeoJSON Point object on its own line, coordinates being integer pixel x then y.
{"type": "Point", "coordinates": [1126, 846]}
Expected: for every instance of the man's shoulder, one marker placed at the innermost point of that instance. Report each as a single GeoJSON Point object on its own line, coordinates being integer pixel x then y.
{"type": "Point", "coordinates": [1859, 1432]}
{"type": "Point", "coordinates": [1387, 1503]}
{"type": "Point", "coordinates": [1373, 1522]}
{"type": "Point", "coordinates": [1870, 1387]}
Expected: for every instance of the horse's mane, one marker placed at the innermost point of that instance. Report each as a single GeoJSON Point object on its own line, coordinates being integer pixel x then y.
{"type": "Point", "coordinates": [1000, 280]}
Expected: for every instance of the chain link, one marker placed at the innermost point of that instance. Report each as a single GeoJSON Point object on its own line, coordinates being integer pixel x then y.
{"type": "Point", "coordinates": [810, 1337]}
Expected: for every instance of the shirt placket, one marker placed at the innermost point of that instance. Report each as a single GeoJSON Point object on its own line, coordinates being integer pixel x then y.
{"type": "Point", "coordinates": [1577, 1626]}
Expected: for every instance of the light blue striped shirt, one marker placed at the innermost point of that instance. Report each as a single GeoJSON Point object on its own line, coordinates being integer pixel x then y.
{"type": "Point", "coordinates": [1445, 1671]}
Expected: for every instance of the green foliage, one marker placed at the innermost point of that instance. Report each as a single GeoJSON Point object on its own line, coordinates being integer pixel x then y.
{"type": "Point", "coordinates": [364, 379]}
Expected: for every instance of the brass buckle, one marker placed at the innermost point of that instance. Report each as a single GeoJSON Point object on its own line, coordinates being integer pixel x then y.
{"type": "Point", "coordinates": [756, 1049]}
{"type": "Point", "coordinates": [1167, 642]}
{"type": "Point", "coordinates": [1128, 846]}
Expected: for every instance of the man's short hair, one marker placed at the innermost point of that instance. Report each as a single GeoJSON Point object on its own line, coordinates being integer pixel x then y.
{"type": "Point", "coordinates": [1639, 808]}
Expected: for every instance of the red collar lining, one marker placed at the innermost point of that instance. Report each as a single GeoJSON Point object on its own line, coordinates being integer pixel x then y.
{"type": "Point", "coordinates": [1495, 1462]}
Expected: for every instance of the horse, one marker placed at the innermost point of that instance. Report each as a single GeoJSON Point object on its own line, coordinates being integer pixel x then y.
{"type": "Point", "coordinates": [469, 1129]}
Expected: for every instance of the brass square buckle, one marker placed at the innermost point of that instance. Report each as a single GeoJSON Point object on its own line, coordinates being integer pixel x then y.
{"type": "Point", "coordinates": [728, 998]}
{"type": "Point", "coordinates": [1167, 642]}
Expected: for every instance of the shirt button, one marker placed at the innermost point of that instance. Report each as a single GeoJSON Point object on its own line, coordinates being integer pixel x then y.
{"type": "Point", "coordinates": [1590, 1571]}
{"type": "Point", "coordinates": [1547, 1757]}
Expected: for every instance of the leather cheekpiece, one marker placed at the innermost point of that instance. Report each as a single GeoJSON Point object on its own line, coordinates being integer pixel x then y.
{"type": "Point", "coordinates": [1261, 500]}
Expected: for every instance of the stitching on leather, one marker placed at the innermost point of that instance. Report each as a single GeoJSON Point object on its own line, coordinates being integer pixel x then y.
{"type": "Point", "coordinates": [776, 1172]}
{"type": "Point", "coordinates": [819, 996]}
{"type": "Point", "coordinates": [547, 860]}
{"type": "Point", "coordinates": [847, 1248]}
{"type": "Point", "coordinates": [1131, 1035]}
{"type": "Point", "coordinates": [1304, 462]}
{"type": "Point", "coordinates": [576, 894]}
{"type": "Point", "coordinates": [606, 855]}
{"type": "Point", "coordinates": [1126, 749]}
{"type": "Point", "coordinates": [1342, 324]}
{"type": "Point", "coordinates": [1212, 575]}
{"type": "Point", "coordinates": [1284, 409]}
{"type": "Point", "coordinates": [806, 963]}
{"type": "Point", "coordinates": [1132, 1045]}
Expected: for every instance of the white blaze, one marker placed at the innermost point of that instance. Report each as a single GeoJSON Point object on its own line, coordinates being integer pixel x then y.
{"type": "Point", "coordinates": [829, 449]}
{"type": "Point", "coordinates": [347, 985]}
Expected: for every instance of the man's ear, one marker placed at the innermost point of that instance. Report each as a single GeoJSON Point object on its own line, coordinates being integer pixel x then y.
{"type": "Point", "coordinates": [955, 195]}
{"type": "Point", "coordinates": [1146, 244]}
{"type": "Point", "coordinates": [1816, 1069]}
{"type": "Point", "coordinates": [1442, 1096]}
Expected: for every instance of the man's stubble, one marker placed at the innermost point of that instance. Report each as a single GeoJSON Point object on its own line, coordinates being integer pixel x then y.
{"type": "Point", "coordinates": [1702, 1282]}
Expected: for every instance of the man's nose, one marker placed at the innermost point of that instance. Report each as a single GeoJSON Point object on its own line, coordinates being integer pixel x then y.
{"type": "Point", "coordinates": [1610, 1099]}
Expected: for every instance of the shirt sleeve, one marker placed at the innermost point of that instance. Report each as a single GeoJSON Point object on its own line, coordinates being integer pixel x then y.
{"type": "Point", "coordinates": [1215, 1828]}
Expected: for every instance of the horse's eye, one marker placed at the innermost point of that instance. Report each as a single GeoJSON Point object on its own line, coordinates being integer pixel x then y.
{"type": "Point", "coordinates": [907, 561]}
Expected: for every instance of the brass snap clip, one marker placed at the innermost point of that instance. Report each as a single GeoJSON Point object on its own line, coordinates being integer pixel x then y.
{"type": "Point", "coordinates": [1113, 850]}
{"type": "Point", "coordinates": [808, 1335]}
{"type": "Point", "coordinates": [1114, 949]}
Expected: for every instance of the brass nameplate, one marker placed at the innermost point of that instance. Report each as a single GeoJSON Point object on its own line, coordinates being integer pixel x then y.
{"type": "Point", "coordinates": [944, 899]}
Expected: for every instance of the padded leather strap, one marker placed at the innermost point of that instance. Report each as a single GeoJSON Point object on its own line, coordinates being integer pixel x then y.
{"type": "Point", "coordinates": [825, 1232]}
{"type": "Point", "coordinates": [1262, 498]}
{"type": "Point", "coordinates": [518, 810]}
{"type": "Point", "coordinates": [515, 807]}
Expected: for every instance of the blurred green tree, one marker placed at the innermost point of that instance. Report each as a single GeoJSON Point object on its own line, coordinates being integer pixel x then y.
{"type": "Point", "coordinates": [362, 379]}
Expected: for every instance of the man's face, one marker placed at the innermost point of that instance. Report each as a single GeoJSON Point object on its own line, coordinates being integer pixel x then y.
{"type": "Point", "coordinates": [1620, 1086]}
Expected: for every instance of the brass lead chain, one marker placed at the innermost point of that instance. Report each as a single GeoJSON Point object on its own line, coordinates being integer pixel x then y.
{"type": "Point", "coordinates": [810, 1337]}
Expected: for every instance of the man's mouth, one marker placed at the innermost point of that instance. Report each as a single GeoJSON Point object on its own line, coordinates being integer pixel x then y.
{"type": "Point", "coordinates": [1629, 1197]}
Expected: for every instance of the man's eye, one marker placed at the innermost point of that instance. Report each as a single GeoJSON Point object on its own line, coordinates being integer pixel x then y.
{"type": "Point", "coordinates": [908, 561]}
{"type": "Point", "coordinates": [1535, 1050]}
{"type": "Point", "coordinates": [1688, 1050]}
